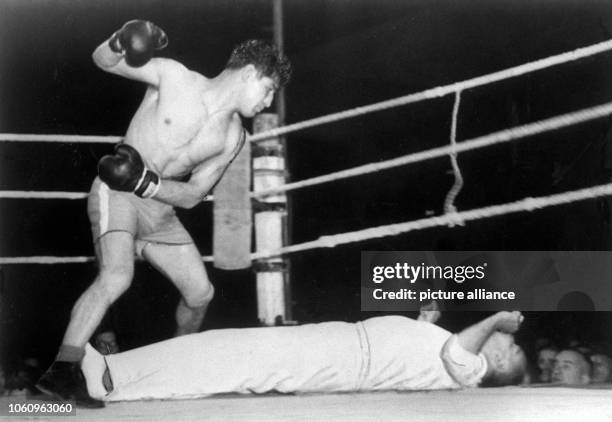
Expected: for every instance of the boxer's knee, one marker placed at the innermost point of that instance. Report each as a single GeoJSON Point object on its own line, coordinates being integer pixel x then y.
{"type": "Point", "coordinates": [112, 282]}
{"type": "Point", "coordinates": [200, 296]}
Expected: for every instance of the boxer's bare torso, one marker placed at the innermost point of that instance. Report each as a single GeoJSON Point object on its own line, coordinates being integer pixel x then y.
{"type": "Point", "coordinates": [179, 131]}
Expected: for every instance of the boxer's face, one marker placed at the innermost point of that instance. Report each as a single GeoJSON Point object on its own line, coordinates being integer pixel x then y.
{"type": "Point", "coordinates": [259, 92]}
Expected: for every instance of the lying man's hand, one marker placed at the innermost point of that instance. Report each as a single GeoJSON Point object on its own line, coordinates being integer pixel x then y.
{"type": "Point", "coordinates": [508, 322]}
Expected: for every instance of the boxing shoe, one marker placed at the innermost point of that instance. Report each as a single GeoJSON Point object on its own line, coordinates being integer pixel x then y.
{"type": "Point", "coordinates": [65, 381]}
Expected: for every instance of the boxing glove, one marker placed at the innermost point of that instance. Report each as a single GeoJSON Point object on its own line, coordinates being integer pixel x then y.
{"type": "Point", "coordinates": [125, 171]}
{"type": "Point", "coordinates": [137, 40]}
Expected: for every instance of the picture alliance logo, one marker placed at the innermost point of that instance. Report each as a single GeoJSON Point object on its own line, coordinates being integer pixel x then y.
{"type": "Point", "coordinates": [414, 273]}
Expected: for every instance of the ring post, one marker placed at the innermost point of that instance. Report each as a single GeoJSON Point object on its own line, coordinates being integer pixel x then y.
{"type": "Point", "coordinates": [270, 223]}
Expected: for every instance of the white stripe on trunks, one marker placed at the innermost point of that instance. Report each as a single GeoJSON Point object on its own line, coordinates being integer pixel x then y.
{"type": "Point", "coordinates": [104, 207]}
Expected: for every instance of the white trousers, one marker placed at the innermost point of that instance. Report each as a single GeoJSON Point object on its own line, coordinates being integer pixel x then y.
{"type": "Point", "coordinates": [326, 357]}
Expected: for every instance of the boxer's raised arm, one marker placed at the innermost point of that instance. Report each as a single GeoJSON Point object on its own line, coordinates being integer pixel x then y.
{"type": "Point", "coordinates": [129, 53]}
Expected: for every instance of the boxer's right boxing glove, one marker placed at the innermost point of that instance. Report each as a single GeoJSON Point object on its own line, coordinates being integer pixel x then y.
{"type": "Point", "coordinates": [125, 171]}
{"type": "Point", "coordinates": [137, 40]}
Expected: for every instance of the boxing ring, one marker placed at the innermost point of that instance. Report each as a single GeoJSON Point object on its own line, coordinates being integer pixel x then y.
{"type": "Point", "coordinates": [449, 218]}
{"type": "Point", "coordinates": [505, 404]}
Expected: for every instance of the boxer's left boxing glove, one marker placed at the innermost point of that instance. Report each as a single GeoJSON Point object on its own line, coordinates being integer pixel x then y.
{"type": "Point", "coordinates": [125, 171]}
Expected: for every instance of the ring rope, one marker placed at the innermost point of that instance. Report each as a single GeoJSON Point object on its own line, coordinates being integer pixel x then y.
{"type": "Point", "coordinates": [41, 194]}
{"type": "Point", "coordinates": [527, 204]}
{"type": "Point", "coordinates": [441, 90]}
{"type": "Point", "coordinates": [46, 260]}
{"type": "Point", "coordinates": [60, 259]}
{"type": "Point", "coordinates": [449, 201]}
{"type": "Point", "coordinates": [494, 138]}
{"type": "Point", "coordinates": [23, 194]}
{"type": "Point", "coordinates": [358, 111]}
{"type": "Point", "coordinates": [93, 139]}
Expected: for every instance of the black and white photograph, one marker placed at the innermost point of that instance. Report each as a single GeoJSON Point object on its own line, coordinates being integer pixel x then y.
{"type": "Point", "coordinates": [306, 210]}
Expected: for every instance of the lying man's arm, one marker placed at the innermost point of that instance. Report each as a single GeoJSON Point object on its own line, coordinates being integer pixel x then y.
{"type": "Point", "coordinates": [461, 352]}
{"type": "Point", "coordinates": [473, 337]}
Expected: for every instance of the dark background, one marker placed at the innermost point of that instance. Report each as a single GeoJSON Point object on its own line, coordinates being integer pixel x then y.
{"type": "Point", "coordinates": [345, 53]}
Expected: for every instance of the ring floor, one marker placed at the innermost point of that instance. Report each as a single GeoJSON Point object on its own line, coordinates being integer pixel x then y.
{"type": "Point", "coordinates": [495, 404]}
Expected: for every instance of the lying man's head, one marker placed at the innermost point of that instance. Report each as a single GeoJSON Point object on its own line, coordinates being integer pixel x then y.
{"type": "Point", "coordinates": [507, 363]}
{"type": "Point", "coordinates": [485, 353]}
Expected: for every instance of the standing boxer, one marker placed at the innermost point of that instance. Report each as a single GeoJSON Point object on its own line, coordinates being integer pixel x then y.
{"type": "Point", "coordinates": [182, 138]}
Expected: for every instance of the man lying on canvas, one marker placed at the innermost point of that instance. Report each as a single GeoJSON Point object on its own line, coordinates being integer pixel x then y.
{"type": "Point", "coordinates": [382, 353]}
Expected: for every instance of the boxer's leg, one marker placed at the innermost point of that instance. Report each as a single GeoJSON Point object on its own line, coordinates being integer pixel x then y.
{"type": "Point", "coordinates": [113, 221]}
{"type": "Point", "coordinates": [183, 265]}
{"type": "Point", "coordinates": [115, 251]}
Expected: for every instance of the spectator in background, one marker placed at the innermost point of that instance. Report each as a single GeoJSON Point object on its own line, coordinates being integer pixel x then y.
{"type": "Point", "coordinates": [106, 342]}
{"type": "Point", "coordinates": [546, 362]}
{"type": "Point", "coordinates": [601, 368]}
{"type": "Point", "coordinates": [20, 381]}
{"type": "Point", "coordinates": [571, 368]}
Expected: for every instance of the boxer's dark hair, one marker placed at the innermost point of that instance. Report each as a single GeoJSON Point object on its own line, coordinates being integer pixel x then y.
{"type": "Point", "coordinates": [266, 58]}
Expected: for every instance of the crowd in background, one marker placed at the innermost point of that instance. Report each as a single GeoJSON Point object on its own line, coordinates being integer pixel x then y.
{"type": "Point", "coordinates": [573, 364]}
